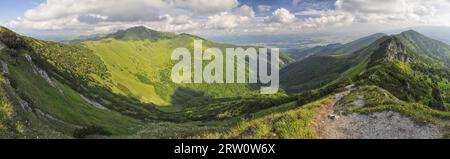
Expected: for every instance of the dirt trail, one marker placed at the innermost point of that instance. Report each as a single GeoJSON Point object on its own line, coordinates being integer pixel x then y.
{"type": "Point", "coordinates": [330, 123]}
{"type": "Point", "coordinates": [325, 114]}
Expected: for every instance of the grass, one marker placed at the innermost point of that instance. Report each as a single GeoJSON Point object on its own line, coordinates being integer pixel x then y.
{"type": "Point", "coordinates": [6, 111]}
{"type": "Point", "coordinates": [378, 100]}
{"type": "Point", "coordinates": [168, 130]}
{"type": "Point", "coordinates": [141, 69]}
{"type": "Point", "coordinates": [67, 106]}
{"type": "Point", "coordinates": [285, 122]}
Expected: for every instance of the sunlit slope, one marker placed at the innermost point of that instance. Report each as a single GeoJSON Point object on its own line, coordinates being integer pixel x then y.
{"type": "Point", "coordinates": [141, 68]}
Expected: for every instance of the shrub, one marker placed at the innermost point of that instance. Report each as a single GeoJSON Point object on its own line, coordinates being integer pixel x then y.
{"type": "Point", "coordinates": [90, 130]}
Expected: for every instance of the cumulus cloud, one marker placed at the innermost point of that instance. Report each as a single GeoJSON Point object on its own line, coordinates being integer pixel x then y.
{"type": "Point", "coordinates": [335, 19]}
{"type": "Point", "coordinates": [206, 6]}
{"type": "Point", "coordinates": [113, 10]}
{"type": "Point", "coordinates": [228, 21]}
{"type": "Point", "coordinates": [396, 11]}
{"type": "Point", "coordinates": [377, 13]}
{"type": "Point", "coordinates": [282, 15]}
{"type": "Point", "coordinates": [89, 14]}
{"type": "Point", "coordinates": [225, 16]}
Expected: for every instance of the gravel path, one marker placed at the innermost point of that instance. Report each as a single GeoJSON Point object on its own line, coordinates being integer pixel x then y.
{"type": "Point", "coordinates": [330, 124]}
{"type": "Point", "coordinates": [379, 125]}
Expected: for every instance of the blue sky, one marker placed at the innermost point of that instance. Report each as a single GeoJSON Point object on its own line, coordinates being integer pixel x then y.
{"type": "Point", "coordinates": [292, 5]}
{"type": "Point", "coordinates": [215, 17]}
{"type": "Point", "coordinates": [15, 8]}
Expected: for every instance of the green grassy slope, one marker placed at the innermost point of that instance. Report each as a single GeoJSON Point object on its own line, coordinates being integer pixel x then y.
{"type": "Point", "coordinates": [79, 68]}
{"type": "Point", "coordinates": [63, 109]}
{"type": "Point", "coordinates": [115, 86]}
{"type": "Point", "coordinates": [65, 84]}
{"type": "Point", "coordinates": [410, 65]}
{"type": "Point", "coordinates": [288, 121]}
{"type": "Point", "coordinates": [326, 68]}
{"type": "Point", "coordinates": [415, 73]}
{"type": "Point", "coordinates": [378, 99]}
{"type": "Point", "coordinates": [141, 67]}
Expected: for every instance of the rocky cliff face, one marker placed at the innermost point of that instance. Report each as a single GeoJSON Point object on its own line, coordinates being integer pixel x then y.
{"type": "Point", "coordinates": [390, 50]}
{"type": "Point", "coordinates": [396, 51]}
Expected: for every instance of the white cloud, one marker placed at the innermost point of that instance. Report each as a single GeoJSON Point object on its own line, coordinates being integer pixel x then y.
{"type": "Point", "coordinates": [282, 15]}
{"type": "Point", "coordinates": [228, 21]}
{"type": "Point", "coordinates": [206, 6]}
{"type": "Point", "coordinates": [397, 12]}
{"type": "Point", "coordinates": [114, 10]}
{"type": "Point", "coordinates": [338, 19]}
{"type": "Point", "coordinates": [177, 20]}
{"type": "Point", "coordinates": [245, 11]}
{"type": "Point", "coordinates": [85, 15]}
{"type": "Point", "coordinates": [224, 16]}
{"type": "Point", "coordinates": [376, 14]}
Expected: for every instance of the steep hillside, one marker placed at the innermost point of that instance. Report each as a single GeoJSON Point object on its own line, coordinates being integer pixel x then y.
{"type": "Point", "coordinates": [415, 66]}
{"type": "Point", "coordinates": [107, 88]}
{"type": "Point", "coordinates": [400, 90]}
{"type": "Point", "coordinates": [321, 70]}
{"type": "Point", "coordinates": [140, 66]}
{"type": "Point", "coordinates": [119, 85]}
{"type": "Point", "coordinates": [410, 65]}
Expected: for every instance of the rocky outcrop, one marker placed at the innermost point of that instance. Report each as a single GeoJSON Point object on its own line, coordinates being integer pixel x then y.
{"type": "Point", "coordinates": [396, 51]}
{"type": "Point", "coordinates": [94, 104]}
{"type": "Point", "coordinates": [43, 74]}
{"type": "Point", "coordinates": [380, 125]}
{"type": "Point", "coordinates": [10, 90]}
{"type": "Point", "coordinates": [4, 67]}
{"type": "Point", "coordinates": [390, 50]}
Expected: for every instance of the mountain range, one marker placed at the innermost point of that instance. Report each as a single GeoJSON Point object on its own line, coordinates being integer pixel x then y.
{"type": "Point", "coordinates": [118, 86]}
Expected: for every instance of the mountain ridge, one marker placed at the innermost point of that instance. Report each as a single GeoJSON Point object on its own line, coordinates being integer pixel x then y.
{"type": "Point", "coordinates": [91, 89]}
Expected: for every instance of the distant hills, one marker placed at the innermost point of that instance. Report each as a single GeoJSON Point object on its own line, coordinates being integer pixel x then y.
{"type": "Point", "coordinates": [335, 49]}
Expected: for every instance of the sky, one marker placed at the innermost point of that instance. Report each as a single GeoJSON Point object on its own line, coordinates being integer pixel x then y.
{"type": "Point", "coordinates": [219, 17]}
{"type": "Point", "coordinates": [12, 9]}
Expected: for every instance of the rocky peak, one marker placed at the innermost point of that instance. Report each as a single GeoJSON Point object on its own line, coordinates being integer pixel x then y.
{"type": "Point", "coordinates": [396, 51]}
{"type": "Point", "coordinates": [391, 49]}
